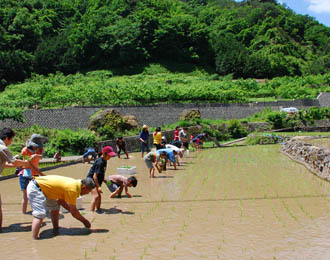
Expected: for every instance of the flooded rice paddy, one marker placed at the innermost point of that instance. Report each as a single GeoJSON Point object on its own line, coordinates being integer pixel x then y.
{"type": "Point", "coordinates": [322, 142]}
{"type": "Point", "coordinates": [230, 203]}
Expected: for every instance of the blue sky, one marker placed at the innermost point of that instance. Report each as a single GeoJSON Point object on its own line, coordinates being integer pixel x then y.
{"type": "Point", "coordinates": [319, 9]}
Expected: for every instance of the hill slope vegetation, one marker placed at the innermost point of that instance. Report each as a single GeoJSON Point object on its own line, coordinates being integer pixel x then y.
{"type": "Point", "coordinates": [261, 39]}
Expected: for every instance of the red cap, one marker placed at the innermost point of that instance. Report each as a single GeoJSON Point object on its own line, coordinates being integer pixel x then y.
{"type": "Point", "coordinates": [108, 150]}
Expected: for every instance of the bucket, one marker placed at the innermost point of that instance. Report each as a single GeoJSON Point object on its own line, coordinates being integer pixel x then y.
{"type": "Point", "coordinates": [79, 205]}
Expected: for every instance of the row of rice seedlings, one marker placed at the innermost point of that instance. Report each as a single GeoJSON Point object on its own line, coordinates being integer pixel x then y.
{"type": "Point", "coordinates": [164, 222]}
{"type": "Point", "coordinates": [226, 184]}
{"type": "Point", "coordinates": [315, 183]}
{"type": "Point", "coordinates": [188, 172]}
{"type": "Point", "coordinates": [195, 176]}
{"type": "Point", "coordinates": [263, 181]}
{"type": "Point", "coordinates": [185, 224]}
{"type": "Point", "coordinates": [213, 172]}
{"type": "Point", "coordinates": [267, 182]}
{"type": "Point", "coordinates": [286, 186]}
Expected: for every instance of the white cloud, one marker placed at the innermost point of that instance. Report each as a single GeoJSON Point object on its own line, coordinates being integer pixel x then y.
{"type": "Point", "coordinates": [319, 6]}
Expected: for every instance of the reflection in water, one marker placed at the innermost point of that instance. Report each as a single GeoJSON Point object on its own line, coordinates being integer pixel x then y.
{"type": "Point", "coordinates": [233, 203]}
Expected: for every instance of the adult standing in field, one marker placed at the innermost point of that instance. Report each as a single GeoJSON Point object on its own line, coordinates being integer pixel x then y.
{"type": "Point", "coordinates": [144, 138]}
{"type": "Point", "coordinates": [176, 134]}
{"type": "Point", "coordinates": [6, 158]}
{"type": "Point", "coordinates": [183, 135]}
{"type": "Point", "coordinates": [49, 192]}
{"type": "Point", "coordinates": [157, 138]}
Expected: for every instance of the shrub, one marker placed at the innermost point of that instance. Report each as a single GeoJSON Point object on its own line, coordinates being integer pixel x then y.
{"type": "Point", "coordinates": [106, 132]}
{"type": "Point", "coordinates": [235, 129]}
{"type": "Point", "coordinates": [276, 119]}
{"type": "Point", "coordinates": [262, 139]}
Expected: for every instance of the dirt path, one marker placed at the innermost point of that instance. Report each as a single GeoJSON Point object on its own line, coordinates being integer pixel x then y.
{"type": "Point", "coordinates": [233, 203]}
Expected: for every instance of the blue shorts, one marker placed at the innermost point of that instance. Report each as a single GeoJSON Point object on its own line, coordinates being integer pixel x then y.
{"type": "Point", "coordinates": [23, 182]}
{"type": "Point", "coordinates": [92, 153]}
{"type": "Point", "coordinates": [112, 187]}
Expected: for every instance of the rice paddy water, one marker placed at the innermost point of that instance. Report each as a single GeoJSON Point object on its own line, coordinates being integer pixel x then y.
{"type": "Point", "coordinates": [247, 202]}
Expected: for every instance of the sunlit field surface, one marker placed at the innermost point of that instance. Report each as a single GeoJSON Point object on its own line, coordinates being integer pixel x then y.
{"type": "Point", "coordinates": [247, 202]}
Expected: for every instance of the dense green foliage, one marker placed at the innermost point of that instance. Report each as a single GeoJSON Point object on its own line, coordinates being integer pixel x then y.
{"type": "Point", "coordinates": [68, 141]}
{"type": "Point", "coordinates": [252, 38]}
{"type": "Point", "coordinates": [154, 85]}
{"type": "Point", "coordinates": [305, 117]}
{"type": "Point", "coordinates": [11, 113]}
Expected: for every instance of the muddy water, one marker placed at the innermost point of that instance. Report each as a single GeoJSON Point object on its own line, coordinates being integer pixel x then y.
{"type": "Point", "coordinates": [230, 203]}
{"type": "Point", "coordinates": [324, 142]}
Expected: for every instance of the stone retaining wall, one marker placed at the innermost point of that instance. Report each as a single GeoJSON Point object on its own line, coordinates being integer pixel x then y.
{"type": "Point", "coordinates": [153, 115]}
{"type": "Point", "coordinates": [316, 159]}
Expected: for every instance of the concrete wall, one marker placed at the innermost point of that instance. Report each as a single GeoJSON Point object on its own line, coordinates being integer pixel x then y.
{"type": "Point", "coordinates": [324, 99]}
{"type": "Point", "coordinates": [155, 115]}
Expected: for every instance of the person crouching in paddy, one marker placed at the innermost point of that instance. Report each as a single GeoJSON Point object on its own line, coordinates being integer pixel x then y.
{"type": "Point", "coordinates": [154, 158]}
{"type": "Point", "coordinates": [49, 192]}
{"type": "Point", "coordinates": [116, 184]}
{"type": "Point", "coordinates": [97, 173]}
{"type": "Point", "coordinates": [179, 152]}
{"type": "Point", "coordinates": [170, 155]}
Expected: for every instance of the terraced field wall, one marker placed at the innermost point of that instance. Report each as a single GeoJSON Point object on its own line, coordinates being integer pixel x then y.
{"type": "Point", "coordinates": [153, 115]}
{"type": "Point", "coordinates": [315, 158]}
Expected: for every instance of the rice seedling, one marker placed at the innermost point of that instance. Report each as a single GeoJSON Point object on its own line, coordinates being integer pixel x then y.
{"type": "Point", "coordinates": [288, 210]}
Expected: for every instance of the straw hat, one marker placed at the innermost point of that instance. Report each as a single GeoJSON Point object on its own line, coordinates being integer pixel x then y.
{"type": "Point", "coordinates": [145, 127]}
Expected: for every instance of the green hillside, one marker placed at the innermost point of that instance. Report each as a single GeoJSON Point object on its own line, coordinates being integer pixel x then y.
{"type": "Point", "coordinates": [260, 39]}
{"type": "Point", "coordinates": [156, 84]}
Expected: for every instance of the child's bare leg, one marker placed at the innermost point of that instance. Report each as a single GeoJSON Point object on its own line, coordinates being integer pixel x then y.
{"type": "Point", "coordinates": [98, 202]}
{"type": "Point", "coordinates": [120, 191]}
{"type": "Point", "coordinates": [24, 202]}
{"type": "Point", "coordinates": [152, 172]}
{"type": "Point", "coordinates": [95, 200]}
